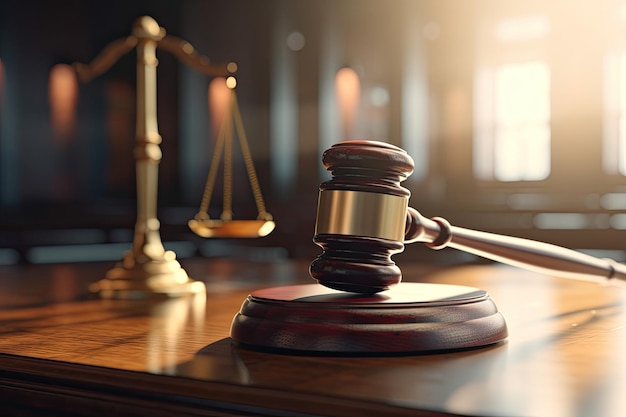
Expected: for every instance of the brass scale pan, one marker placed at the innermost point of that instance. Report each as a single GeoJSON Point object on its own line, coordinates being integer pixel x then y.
{"type": "Point", "coordinates": [231, 228]}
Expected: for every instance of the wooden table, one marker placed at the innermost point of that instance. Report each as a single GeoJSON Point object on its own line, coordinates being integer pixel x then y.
{"type": "Point", "coordinates": [63, 353]}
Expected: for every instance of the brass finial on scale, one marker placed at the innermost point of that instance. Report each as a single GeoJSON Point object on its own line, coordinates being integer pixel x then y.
{"type": "Point", "coordinates": [148, 270]}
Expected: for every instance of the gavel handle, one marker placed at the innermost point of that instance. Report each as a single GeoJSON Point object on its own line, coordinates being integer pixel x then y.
{"type": "Point", "coordinates": [524, 253]}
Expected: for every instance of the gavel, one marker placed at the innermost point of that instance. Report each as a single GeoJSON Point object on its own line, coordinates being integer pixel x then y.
{"type": "Point", "coordinates": [363, 218]}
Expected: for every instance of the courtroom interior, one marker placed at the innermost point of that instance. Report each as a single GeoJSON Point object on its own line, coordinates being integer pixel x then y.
{"type": "Point", "coordinates": [503, 117]}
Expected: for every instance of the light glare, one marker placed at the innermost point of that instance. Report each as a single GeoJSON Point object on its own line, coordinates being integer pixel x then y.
{"type": "Point", "coordinates": [296, 41]}
{"type": "Point", "coordinates": [63, 94]}
{"type": "Point", "coordinates": [348, 92]}
{"type": "Point", "coordinates": [219, 96]}
{"type": "Point", "coordinates": [523, 29]}
{"type": "Point", "coordinates": [522, 113]}
{"type": "Point", "coordinates": [431, 31]}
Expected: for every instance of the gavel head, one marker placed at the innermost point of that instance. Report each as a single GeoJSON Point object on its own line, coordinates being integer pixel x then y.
{"type": "Point", "coordinates": [361, 216]}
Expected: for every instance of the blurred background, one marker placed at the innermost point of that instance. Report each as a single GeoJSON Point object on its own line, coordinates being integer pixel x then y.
{"type": "Point", "coordinates": [514, 112]}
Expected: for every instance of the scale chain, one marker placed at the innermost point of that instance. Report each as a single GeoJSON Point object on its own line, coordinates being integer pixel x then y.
{"type": "Point", "coordinates": [210, 182]}
{"type": "Point", "coordinates": [245, 150]}
{"type": "Point", "coordinates": [227, 205]}
{"type": "Point", "coordinates": [224, 146]}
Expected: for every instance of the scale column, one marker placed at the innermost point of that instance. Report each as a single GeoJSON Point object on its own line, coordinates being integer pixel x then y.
{"type": "Point", "coordinates": [147, 240]}
{"type": "Point", "coordinates": [147, 269]}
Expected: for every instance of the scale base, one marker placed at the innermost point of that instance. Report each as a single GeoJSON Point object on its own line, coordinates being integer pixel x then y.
{"type": "Point", "coordinates": [409, 318]}
{"type": "Point", "coordinates": [163, 278]}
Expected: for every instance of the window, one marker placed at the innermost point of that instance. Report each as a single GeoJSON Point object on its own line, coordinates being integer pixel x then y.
{"type": "Point", "coordinates": [512, 139]}
{"type": "Point", "coordinates": [512, 122]}
{"type": "Point", "coordinates": [614, 161]}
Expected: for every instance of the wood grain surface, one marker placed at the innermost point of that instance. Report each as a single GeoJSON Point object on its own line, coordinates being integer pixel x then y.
{"type": "Point", "coordinates": [62, 353]}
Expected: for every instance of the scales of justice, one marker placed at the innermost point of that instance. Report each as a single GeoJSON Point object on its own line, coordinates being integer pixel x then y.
{"type": "Point", "coordinates": [358, 305]}
{"type": "Point", "coordinates": [148, 269]}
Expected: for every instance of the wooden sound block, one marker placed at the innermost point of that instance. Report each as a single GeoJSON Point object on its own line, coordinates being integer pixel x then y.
{"type": "Point", "coordinates": [409, 318]}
